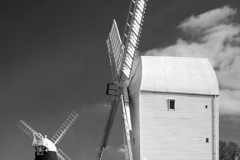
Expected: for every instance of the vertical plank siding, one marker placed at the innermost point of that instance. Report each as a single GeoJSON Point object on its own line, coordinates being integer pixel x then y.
{"type": "Point", "coordinates": [179, 134]}
{"type": "Point", "coordinates": [215, 115]}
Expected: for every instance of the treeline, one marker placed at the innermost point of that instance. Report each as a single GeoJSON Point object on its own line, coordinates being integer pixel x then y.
{"type": "Point", "coordinates": [228, 151]}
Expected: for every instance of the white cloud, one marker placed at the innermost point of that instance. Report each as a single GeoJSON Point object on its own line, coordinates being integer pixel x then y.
{"type": "Point", "coordinates": [103, 107]}
{"type": "Point", "coordinates": [120, 149]}
{"type": "Point", "coordinates": [218, 40]}
{"type": "Point", "coordinates": [208, 19]}
{"type": "Point", "coordinates": [114, 152]}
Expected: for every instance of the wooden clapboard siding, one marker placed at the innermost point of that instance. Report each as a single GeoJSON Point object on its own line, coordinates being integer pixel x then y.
{"type": "Point", "coordinates": [180, 134]}
{"type": "Point", "coordinates": [215, 121]}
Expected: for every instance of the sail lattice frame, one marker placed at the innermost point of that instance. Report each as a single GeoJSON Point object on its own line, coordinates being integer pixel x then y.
{"type": "Point", "coordinates": [64, 127]}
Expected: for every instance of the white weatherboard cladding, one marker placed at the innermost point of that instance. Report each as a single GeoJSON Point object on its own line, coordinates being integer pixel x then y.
{"type": "Point", "coordinates": [215, 118]}
{"type": "Point", "coordinates": [178, 75]}
{"type": "Point", "coordinates": [177, 135]}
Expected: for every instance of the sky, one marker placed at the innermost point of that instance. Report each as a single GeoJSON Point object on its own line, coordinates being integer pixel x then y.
{"type": "Point", "coordinates": [53, 60]}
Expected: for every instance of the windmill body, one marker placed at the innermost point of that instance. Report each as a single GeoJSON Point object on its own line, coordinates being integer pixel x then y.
{"type": "Point", "coordinates": [174, 109]}
{"type": "Point", "coordinates": [49, 155]}
{"type": "Point", "coordinates": [48, 150]}
{"type": "Point", "coordinates": [45, 148]}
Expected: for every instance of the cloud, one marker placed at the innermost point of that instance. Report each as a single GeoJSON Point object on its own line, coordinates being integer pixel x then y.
{"type": "Point", "coordinates": [208, 19]}
{"type": "Point", "coordinates": [111, 148]}
{"type": "Point", "coordinates": [216, 37]}
{"type": "Point", "coordinates": [103, 107]}
{"type": "Point", "coordinates": [121, 150]}
{"type": "Point", "coordinates": [115, 152]}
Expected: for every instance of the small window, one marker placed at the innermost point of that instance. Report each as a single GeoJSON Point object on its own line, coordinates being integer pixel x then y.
{"type": "Point", "coordinates": [133, 140]}
{"type": "Point", "coordinates": [171, 104]}
{"type": "Point", "coordinates": [207, 140]}
{"type": "Point", "coordinates": [206, 106]}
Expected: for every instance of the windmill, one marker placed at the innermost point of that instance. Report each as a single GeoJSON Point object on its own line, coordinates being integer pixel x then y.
{"type": "Point", "coordinates": [173, 100]}
{"type": "Point", "coordinates": [39, 142]}
{"type": "Point", "coordinates": [121, 55]}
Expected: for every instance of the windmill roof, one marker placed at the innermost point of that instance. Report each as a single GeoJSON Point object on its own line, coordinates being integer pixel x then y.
{"type": "Point", "coordinates": [175, 75]}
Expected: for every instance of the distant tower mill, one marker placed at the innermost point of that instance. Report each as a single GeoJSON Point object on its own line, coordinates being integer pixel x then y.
{"type": "Point", "coordinates": [44, 147]}
{"type": "Point", "coordinates": [169, 104]}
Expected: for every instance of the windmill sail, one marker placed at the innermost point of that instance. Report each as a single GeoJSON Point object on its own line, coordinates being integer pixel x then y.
{"type": "Point", "coordinates": [131, 34]}
{"type": "Point", "coordinates": [127, 139]}
{"type": "Point", "coordinates": [62, 155]}
{"type": "Point", "coordinates": [121, 55]}
{"type": "Point", "coordinates": [128, 151]}
{"type": "Point", "coordinates": [64, 128]}
{"type": "Point", "coordinates": [108, 127]}
{"type": "Point", "coordinates": [115, 51]}
{"type": "Point", "coordinates": [27, 129]}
